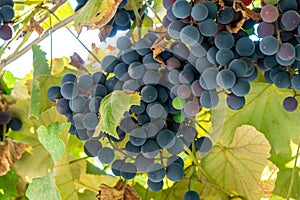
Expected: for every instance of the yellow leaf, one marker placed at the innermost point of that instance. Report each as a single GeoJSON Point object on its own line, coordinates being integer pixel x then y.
{"type": "Point", "coordinates": [238, 167]}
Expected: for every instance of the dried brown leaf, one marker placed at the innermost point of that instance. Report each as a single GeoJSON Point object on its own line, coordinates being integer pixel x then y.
{"type": "Point", "coordinates": [104, 32]}
{"type": "Point", "coordinates": [76, 60]}
{"type": "Point", "coordinates": [10, 152]}
{"type": "Point", "coordinates": [158, 47]}
{"type": "Point", "coordinates": [119, 192]}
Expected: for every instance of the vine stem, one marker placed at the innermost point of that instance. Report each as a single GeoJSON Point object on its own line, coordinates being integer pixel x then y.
{"type": "Point", "coordinates": [293, 172]}
{"type": "Point", "coordinates": [77, 160]}
{"type": "Point", "coordinates": [20, 53]}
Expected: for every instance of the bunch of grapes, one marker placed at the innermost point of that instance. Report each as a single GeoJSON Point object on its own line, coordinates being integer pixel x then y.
{"type": "Point", "coordinates": [279, 56]}
{"type": "Point", "coordinates": [6, 122]}
{"type": "Point", "coordinates": [7, 13]}
{"type": "Point", "coordinates": [151, 135]}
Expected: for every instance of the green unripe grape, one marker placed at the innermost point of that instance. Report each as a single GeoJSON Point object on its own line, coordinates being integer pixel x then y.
{"type": "Point", "coordinates": [178, 103]}
{"type": "Point", "coordinates": [178, 118]}
{"type": "Point", "coordinates": [273, 2]}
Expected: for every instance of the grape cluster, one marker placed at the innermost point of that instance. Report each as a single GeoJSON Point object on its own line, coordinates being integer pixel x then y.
{"type": "Point", "coordinates": [7, 121]}
{"type": "Point", "coordinates": [151, 135]}
{"type": "Point", "coordinates": [221, 59]}
{"type": "Point", "coordinates": [279, 56]}
{"type": "Point", "coordinates": [7, 13]}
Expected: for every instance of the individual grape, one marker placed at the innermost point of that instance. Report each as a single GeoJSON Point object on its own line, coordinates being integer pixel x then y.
{"type": "Point", "coordinates": [199, 12]}
{"type": "Point", "coordinates": [174, 29]}
{"type": "Point", "coordinates": [78, 122]}
{"type": "Point", "coordinates": [121, 72]}
{"type": "Point", "coordinates": [198, 50]}
{"type": "Point", "coordinates": [128, 56]}
{"type": "Point", "coordinates": [285, 5]}
{"type": "Point", "coordinates": [167, 3]}
{"type": "Point", "coordinates": [4, 117]}
{"type": "Point", "coordinates": [166, 22]}
{"type": "Point", "coordinates": [208, 78]}
{"type": "Point", "coordinates": [207, 27]}
{"type": "Point", "coordinates": [224, 39]}
{"type": "Point", "coordinates": [92, 147]}
{"type": "Point", "coordinates": [181, 51]}
{"type": "Point", "coordinates": [138, 136]}
{"type": "Point", "coordinates": [78, 104]}
{"type": "Point", "coordinates": [85, 82]}
{"type": "Point", "coordinates": [203, 144]}
{"type": "Point", "coordinates": [212, 9]}
{"type": "Point", "coordinates": [127, 124]}
{"type": "Point", "coordinates": [138, 109]}
{"type": "Point", "coordinates": [142, 163]}
{"type": "Point", "coordinates": [186, 76]}
{"type": "Point", "coordinates": [81, 134]}
{"type": "Point", "coordinates": [286, 52]}
{"type": "Point", "coordinates": [136, 70]}
{"type": "Point", "coordinates": [245, 46]}
{"type": "Point", "coordinates": [122, 18]}
{"type": "Point", "coordinates": [173, 77]}
{"type": "Point", "coordinates": [296, 82]}
{"type": "Point", "coordinates": [149, 94]}
{"type": "Point", "coordinates": [151, 77]}
{"type": "Point", "coordinates": [209, 99]}
{"type": "Point", "coordinates": [150, 149]}
{"type": "Point", "coordinates": [269, 45]}
{"type": "Point", "coordinates": [132, 150]}
{"type": "Point", "coordinates": [225, 16]}
{"type": "Point", "coordinates": [68, 77]}
{"type": "Point", "coordinates": [239, 67]}
{"type": "Point", "coordinates": [226, 79]}
{"type": "Point", "coordinates": [142, 46]}
{"type": "Point", "coordinates": [189, 35]}
{"type": "Point", "coordinates": [62, 106]}
{"type": "Point", "coordinates": [265, 29]}
{"type": "Point", "coordinates": [90, 121]}
{"type": "Point", "coordinates": [165, 139]}
{"type": "Point", "coordinates": [7, 13]}
{"type": "Point", "coordinates": [269, 13]}
{"type": "Point", "coordinates": [174, 172]}
{"type": "Point", "coordinates": [106, 155]}
{"type": "Point", "coordinates": [109, 62]}
{"type": "Point", "coordinates": [7, 2]}
{"type": "Point", "coordinates": [184, 91]}
{"type": "Point", "coordinates": [155, 110]}
{"type": "Point", "coordinates": [143, 118]}
{"type": "Point", "coordinates": [241, 88]}
{"type": "Point", "coordinates": [69, 90]}
{"type": "Point", "coordinates": [181, 9]}
{"type": "Point", "coordinates": [121, 135]}
{"type": "Point", "coordinates": [270, 62]}
{"type": "Point", "coordinates": [128, 171]}
{"type": "Point", "coordinates": [196, 88]}
{"type": "Point", "coordinates": [282, 80]}
{"type": "Point", "coordinates": [155, 186]}
{"type": "Point", "coordinates": [173, 63]}
{"type": "Point", "coordinates": [156, 172]}
{"type": "Point", "coordinates": [131, 84]}
{"type": "Point", "coordinates": [116, 166]}
{"type": "Point", "coordinates": [15, 124]}
{"type": "Point", "coordinates": [94, 104]}
{"type": "Point", "coordinates": [72, 130]}
{"type": "Point", "coordinates": [150, 63]}
{"type": "Point", "coordinates": [284, 62]}
{"type": "Point", "coordinates": [178, 103]}
{"type": "Point", "coordinates": [249, 24]}
{"type": "Point", "coordinates": [290, 104]}
{"type": "Point", "coordinates": [188, 132]}
{"type": "Point", "coordinates": [234, 102]}
{"type": "Point", "coordinates": [177, 148]}
{"type": "Point", "coordinates": [6, 32]}
{"type": "Point", "coordinates": [191, 195]}
{"type": "Point", "coordinates": [124, 43]}
{"type": "Point", "coordinates": [162, 94]}
{"type": "Point", "coordinates": [211, 55]}
{"type": "Point", "coordinates": [53, 93]}
{"type": "Point", "coordinates": [151, 129]}
{"type": "Point", "coordinates": [224, 56]}
{"type": "Point", "coordinates": [191, 108]}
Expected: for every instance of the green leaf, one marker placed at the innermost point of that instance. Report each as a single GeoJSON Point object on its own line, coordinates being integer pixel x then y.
{"type": "Point", "coordinates": [237, 167]}
{"type": "Point", "coordinates": [95, 14]}
{"type": "Point", "coordinates": [92, 169]}
{"type": "Point", "coordinates": [264, 111]}
{"type": "Point", "coordinates": [50, 138]}
{"type": "Point", "coordinates": [43, 188]}
{"type": "Point", "coordinates": [40, 68]}
{"type": "Point", "coordinates": [8, 82]}
{"type": "Point", "coordinates": [8, 185]}
{"type": "Point", "coordinates": [284, 178]}
{"type": "Point", "coordinates": [112, 109]}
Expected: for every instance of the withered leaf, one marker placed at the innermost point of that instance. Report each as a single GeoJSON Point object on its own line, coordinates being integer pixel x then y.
{"type": "Point", "coordinates": [33, 26]}
{"type": "Point", "coordinates": [10, 152]}
{"type": "Point", "coordinates": [104, 32]}
{"type": "Point", "coordinates": [119, 192]}
{"type": "Point", "coordinates": [158, 47]}
{"type": "Point", "coordinates": [76, 60]}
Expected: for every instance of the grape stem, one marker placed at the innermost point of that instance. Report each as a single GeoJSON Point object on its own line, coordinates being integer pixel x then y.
{"type": "Point", "coordinates": [156, 15]}
{"type": "Point", "coordinates": [293, 172]}
{"type": "Point", "coordinates": [77, 160]}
